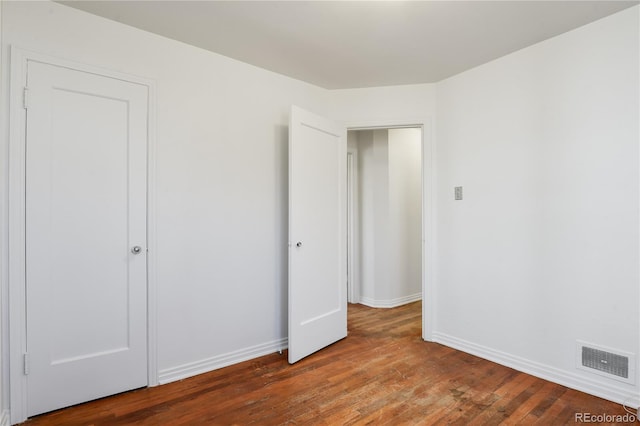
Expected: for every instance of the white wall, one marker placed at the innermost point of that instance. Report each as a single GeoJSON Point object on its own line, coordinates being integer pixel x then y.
{"type": "Point", "coordinates": [221, 180]}
{"type": "Point", "coordinates": [383, 104]}
{"type": "Point", "coordinates": [405, 214]}
{"type": "Point", "coordinates": [4, 391]}
{"type": "Point", "coordinates": [543, 250]}
{"type": "Point", "coordinates": [373, 181]}
{"type": "Point", "coordinates": [390, 225]}
{"type": "Point", "coordinates": [3, 239]}
{"type": "Point", "coordinates": [363, 149]}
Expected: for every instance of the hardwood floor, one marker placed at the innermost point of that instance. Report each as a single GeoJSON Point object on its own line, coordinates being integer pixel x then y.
{"type": "Point", "coordinates": [382, 373]}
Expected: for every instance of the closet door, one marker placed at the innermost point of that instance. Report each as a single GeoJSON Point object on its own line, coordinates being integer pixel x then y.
{"type": "Point", "coordinates": [86, 271]}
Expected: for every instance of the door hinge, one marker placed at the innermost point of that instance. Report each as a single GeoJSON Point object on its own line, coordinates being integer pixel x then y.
{"type": "Point", "coordinates": [25, 98]}
{"type": "Point", "coordinates": [26, 364]}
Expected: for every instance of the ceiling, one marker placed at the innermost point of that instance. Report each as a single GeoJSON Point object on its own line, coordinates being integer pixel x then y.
{"type": "Point", "coordinates": [349, 44]}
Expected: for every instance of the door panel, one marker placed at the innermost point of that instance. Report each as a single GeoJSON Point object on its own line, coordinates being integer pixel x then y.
{"type": "Point", "coordinates": [317, 234]}
{"type": "Point", "coordinates": [85, 210]}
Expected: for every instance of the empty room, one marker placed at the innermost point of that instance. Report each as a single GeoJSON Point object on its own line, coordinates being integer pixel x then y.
{"type": "Point", "coordinates": [311, 212]}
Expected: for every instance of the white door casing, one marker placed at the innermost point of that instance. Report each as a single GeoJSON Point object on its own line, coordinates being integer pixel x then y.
{"type": "Point", "coordinates": [84, 292]}
{"type": "Point", "coordinates": [428, 209]}
{"type": "Point", "coordinates": [353, 273]}
{"type": "Point", "coordinates": [317, 233]}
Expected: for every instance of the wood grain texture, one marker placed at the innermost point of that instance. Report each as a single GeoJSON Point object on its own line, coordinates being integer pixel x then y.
{"type": "Point", "coordinates": [382, 374]}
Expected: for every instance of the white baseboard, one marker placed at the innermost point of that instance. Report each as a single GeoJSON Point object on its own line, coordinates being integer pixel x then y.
{"type": "Point", "coordinates": [194, 368]}
{"type": "Point", "coordinates": [5, 418]}
{"type": "Point", "coordinates": [611, 392]}
{"type": "Point", "coordinates": [390, 303]}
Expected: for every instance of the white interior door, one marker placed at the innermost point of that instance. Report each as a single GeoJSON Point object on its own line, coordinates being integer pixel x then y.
{"type": "Point", "coordinates": [85, 237]}
{"type": "Point", "coordinates": [317, 233]}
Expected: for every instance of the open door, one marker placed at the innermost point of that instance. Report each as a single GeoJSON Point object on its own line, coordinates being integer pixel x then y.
{"type": "Point", "coordinates": [317, 233]}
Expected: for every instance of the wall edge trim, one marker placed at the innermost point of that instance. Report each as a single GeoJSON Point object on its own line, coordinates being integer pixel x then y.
{"type": "Point", "coordinates": [619, 394]}
{"type": "Point", "coordinates": [5, 418]}
{"type": "Point", "coordinates": [390, 303]}
{"type": "Point", "coordinates": [191, 369]}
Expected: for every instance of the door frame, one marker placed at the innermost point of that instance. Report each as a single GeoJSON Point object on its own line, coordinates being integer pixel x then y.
{"type": "Point", "coordinates": [353, 211]}
{"type": "Point", "coordinates": [428, 209]}
{"type": "Point", "coordinates": [16, 221]}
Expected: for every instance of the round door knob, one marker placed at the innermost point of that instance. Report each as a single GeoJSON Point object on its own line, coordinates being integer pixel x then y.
{"type": "Point", "coordinates": [299, 244]}
{"type": "Point", "coordinates": [136, 250]}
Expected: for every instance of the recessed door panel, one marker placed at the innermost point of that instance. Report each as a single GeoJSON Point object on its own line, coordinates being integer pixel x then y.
{"type": "Point", "coordinates": [85, 211]}
{"type": "Point", "coordinates": [317, 234]}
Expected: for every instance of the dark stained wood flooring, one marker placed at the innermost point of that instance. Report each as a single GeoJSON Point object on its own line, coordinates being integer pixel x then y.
{"type": "Point", "coordinates": [381, 374]}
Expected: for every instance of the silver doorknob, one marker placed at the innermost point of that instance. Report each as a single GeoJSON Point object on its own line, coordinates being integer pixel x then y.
{"type": "Point", "coordinates": [136, 249]}
{"type": "Point", "coordinates": [299, 244]}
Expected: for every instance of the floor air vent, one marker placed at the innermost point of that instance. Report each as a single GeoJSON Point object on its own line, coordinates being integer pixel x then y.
{"type": "Point", "coordinates": [607, 362]}
{"type": "Point", "coordinates": [617, 365]}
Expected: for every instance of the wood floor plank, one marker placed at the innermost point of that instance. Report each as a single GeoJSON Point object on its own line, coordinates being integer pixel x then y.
{"type": "Point", "coordinates": [381, 374]}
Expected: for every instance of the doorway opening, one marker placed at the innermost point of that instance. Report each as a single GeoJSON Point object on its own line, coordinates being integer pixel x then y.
{"type": "Point", "coordinates": [385, 226]}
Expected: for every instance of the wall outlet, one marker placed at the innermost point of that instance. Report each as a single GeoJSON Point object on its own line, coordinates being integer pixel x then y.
{"type": "Point", "coordinates": [457, 191]}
